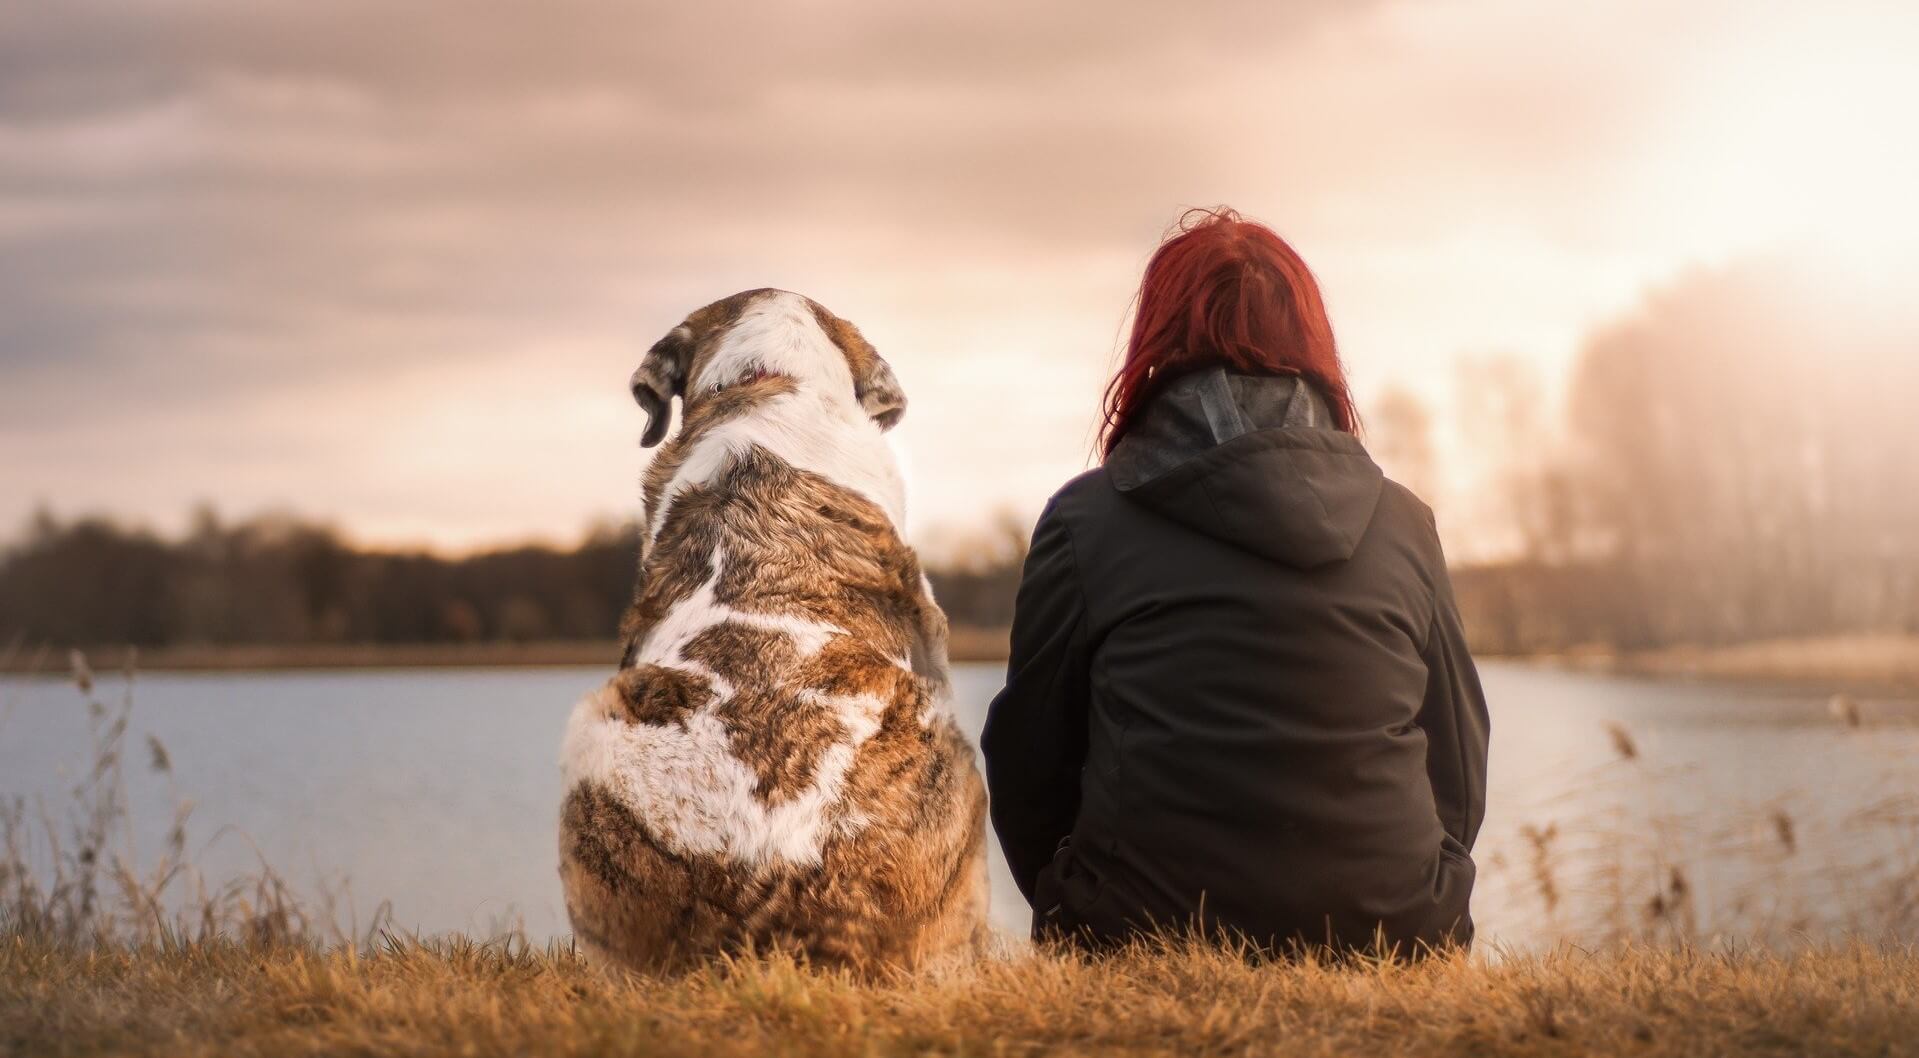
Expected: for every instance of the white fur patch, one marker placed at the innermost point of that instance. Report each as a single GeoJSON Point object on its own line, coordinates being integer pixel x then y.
{"type": "Point", "coordinates": [685, 782]}
{"type": "Point", "coordinates": [819, 428]}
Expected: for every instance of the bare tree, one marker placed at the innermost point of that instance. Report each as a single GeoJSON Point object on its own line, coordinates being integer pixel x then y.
{"type": "Point", "coordinates": [1399, 433]}
{"type": "Point", "coordinates": [1746, 450]}
{"type": "Point", "coordinates": [1510, 427]}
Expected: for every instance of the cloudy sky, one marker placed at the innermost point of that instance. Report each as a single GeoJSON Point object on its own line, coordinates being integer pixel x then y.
{"type": "Point", "coordinates": [391, 263]}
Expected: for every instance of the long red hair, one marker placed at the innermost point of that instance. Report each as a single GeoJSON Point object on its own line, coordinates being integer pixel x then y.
{"type": "Point", "coordinates": [1224, 290]}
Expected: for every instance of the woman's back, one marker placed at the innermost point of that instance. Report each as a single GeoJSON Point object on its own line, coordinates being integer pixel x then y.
{"type": "Point", "coordinates": [1238, 685]}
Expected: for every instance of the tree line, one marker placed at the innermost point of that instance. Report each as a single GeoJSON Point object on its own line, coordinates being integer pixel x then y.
{"type": "Point", "coordinates": [283, 580]}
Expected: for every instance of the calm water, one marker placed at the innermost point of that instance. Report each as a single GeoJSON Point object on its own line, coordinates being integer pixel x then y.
{"type": "Point", "coordinates": [438, 790]}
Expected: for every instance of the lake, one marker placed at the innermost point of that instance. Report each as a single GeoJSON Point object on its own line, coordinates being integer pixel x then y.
{"type": "Point", "coordinates": [1618, 806]}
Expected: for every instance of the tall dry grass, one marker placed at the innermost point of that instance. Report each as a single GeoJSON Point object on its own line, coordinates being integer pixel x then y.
{"type": "Point", "coordinates": [1630, 853]}
{"type": "Point", "coordinates": [73, 875]}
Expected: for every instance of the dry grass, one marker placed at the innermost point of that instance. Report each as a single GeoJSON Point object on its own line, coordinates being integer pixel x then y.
{"type": "Point", "coordinates": [74, 875]}
{"type": "Point", "coordinates": [461, 998]}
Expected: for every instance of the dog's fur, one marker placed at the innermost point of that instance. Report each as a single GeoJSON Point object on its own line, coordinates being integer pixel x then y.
{"type": "Point", "coordinates": [775, 765]}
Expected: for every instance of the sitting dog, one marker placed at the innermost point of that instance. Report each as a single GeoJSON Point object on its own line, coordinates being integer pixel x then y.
{"type": "Point", "coordinates": [775, 766]}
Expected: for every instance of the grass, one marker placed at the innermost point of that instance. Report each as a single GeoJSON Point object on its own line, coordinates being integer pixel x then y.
{"type": "Point", "coordinates": [455, 997]}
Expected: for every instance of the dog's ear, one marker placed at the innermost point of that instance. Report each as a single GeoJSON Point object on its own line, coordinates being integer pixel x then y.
{"type": "Point", "coordinates": [874, 386]}
{"type": "Point", "coordinates": [660, 377]}
{"type": "Point", "coordinates": [879, 393]}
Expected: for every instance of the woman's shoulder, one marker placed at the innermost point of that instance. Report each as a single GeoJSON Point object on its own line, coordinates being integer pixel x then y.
{"type": "Point", "coordinates": [1405, 503]}
{"type": "Point", "coordinates": [1086, 494]}
{"type": "Point", "coordinates": [1402, 515]}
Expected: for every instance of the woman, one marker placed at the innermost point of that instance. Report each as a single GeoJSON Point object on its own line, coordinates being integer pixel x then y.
{"type": "Point", "coordinates": [1238, 694]}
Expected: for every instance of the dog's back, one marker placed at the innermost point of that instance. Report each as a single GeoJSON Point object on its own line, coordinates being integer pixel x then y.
{"type": "Point", "coordinates": [775, 765]}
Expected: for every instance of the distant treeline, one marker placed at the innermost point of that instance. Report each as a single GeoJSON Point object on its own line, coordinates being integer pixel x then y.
{"type": "Point", "coordinates": [279, 580]}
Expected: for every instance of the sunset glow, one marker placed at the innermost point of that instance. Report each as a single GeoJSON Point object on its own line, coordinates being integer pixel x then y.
{"type": "Point", "coordinates": [266, 258]}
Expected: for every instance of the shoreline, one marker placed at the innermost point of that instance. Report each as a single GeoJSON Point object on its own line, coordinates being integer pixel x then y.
{"type": "Point", "coordinates": [1879, 663]}
{"type": "Point", "coordinates": [966, 645]}
{"type": "Point", "coordinates": [1887, 663]}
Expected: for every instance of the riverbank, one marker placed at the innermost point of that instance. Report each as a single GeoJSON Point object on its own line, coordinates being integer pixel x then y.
{"type": "Point", "coordinates": [1859, 664]}
{"type": "Point", "coordinates": [967, 644]}
{"type": "Point", "coordinates": [1881, 664]}
{"type": "Point", "coordinates": [453, 997]}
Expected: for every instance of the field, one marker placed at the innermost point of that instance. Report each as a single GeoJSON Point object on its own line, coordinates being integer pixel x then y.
{"type": "Point", "coordinates": [454, 997]}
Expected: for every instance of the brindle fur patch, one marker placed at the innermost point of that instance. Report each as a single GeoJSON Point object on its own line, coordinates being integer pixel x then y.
{"type": "Point", "coordinates": [774, 727]}
{"type": "Point", "coordinates": [655, 694]}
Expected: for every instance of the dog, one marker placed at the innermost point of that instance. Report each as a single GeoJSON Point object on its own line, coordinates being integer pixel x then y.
{"type": "Point", "coordinates": [776, 765]}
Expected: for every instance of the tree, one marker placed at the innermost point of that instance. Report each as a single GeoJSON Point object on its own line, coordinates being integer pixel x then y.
{"type": "Point", "coordinates": [1399, 433]}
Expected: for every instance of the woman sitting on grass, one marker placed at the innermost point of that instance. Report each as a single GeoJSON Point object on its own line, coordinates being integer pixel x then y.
{"type": "Point", "coordinates": [1238, 695]}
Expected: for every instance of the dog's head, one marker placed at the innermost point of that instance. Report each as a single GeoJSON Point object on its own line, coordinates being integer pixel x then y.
{"type": "Point", "coordinates": [755, 334]}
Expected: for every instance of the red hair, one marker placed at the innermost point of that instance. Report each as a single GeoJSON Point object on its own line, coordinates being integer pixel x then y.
{"type": "Point", "coordinates": [1223, 290]}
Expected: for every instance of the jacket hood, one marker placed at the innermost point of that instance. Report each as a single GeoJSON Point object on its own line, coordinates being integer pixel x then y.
{"type": "Point", "coordinates": [1254, 460]}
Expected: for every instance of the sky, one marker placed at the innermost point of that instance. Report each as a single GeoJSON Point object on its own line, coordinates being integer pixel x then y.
{"type": "Point", "coordinates": [390, 264]}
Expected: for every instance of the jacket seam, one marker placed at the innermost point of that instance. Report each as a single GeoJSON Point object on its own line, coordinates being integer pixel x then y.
{"type": "Point", "coordinates": [1439, 585]}
{"type": "Point", "coordinates": [1299, 478]}
{"type": "Point", "coordinates": [1212, 501]}
{"type": "Point", "coordinates": [1079, 586]}
{"type": "Point", "coordinates": [1459, 742]}
{"type": "Point", "coordinates": [1432, 624]}
{"type": "Point", "coordinates": [1074, 633]}
{"type": "Point", "coordinates": [1350, 540]}
{"type": "Point", "coordinates": [1079, 593]}
{"type": "Point", "coordinates": [1076, 638]}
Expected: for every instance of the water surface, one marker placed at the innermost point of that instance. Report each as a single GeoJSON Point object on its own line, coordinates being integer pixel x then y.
{"type": "Point", "coordinates": [439, 789]}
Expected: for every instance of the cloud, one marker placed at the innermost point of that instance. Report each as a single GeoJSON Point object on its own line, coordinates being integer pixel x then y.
{"type": "Point", "coordinates": [249, 247]}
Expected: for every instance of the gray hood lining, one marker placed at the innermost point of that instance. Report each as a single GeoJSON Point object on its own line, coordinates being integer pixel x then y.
{"type": "Point", "coordinates": [1207, 408]}
{"type": "Point", "coordinates": [1251, 460]}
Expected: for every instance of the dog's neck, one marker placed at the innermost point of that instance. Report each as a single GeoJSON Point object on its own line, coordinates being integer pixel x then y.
{"type": "Point", "coordinates": [810, 428]}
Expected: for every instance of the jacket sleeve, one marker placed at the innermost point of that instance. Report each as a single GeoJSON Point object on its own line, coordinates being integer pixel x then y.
{"type": "Point", "coordinates": [1035, 736]}
{"type": "Point", "coordinates": [1455, 720]}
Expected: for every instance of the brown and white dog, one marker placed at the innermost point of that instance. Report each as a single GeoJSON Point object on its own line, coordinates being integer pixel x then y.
{"type": "Point", "coordinates": [776, 764]}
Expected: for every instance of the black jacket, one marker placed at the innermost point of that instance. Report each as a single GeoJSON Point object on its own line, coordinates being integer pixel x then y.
{"type": "Point", "coordinates": [1238, 685]}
